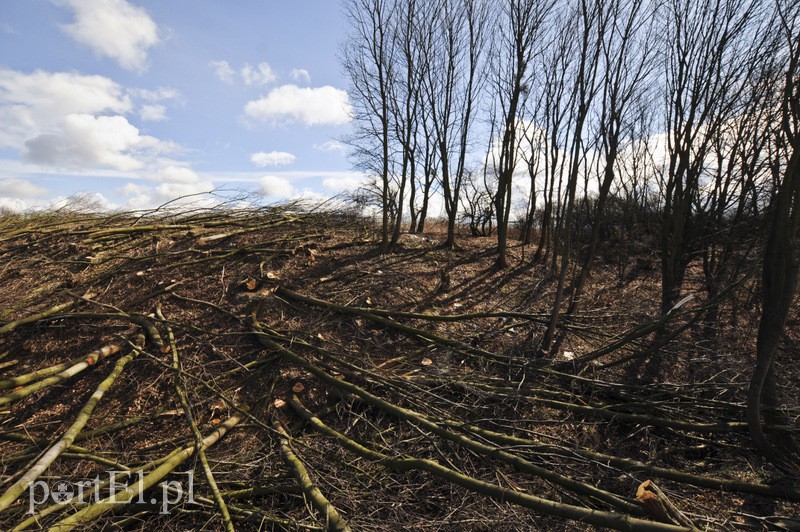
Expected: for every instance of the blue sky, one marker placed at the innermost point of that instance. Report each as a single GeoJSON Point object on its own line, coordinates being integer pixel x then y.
{"type": "Point", "coordinates": [137, 101]}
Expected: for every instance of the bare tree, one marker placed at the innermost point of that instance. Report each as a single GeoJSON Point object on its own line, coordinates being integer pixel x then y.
{"type": "Point", "coordinates": [533, 157]}
{"type": "Point", "coordinates": [477, 206]}
{"type": "Point", "coordinates": [368, 60]}
{"type": "Point", "coordinates": [737, 177]}
{"type": "Point", "coordinates": [627, 57]}
{"type": "Point", "coordinates": [519, 38]}
{"type": "Point", "coordinates": [552, 113]}
{"type": "Point", "coordinates": [454, 80]}
{"type": "Point", "coordinates": [429, 168]}
{"type": "Point", "coordinates": [405, 92]}
{"type": "Point", "coordinates": [593, 19]}
{"type": "Point", "coordinates": [702, 78]}
{"type": "Point", "coordinates": [780, 266]}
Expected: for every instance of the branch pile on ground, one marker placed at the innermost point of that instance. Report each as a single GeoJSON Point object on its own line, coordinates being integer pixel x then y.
{"type": "Point", "coordinates": [312, 384]}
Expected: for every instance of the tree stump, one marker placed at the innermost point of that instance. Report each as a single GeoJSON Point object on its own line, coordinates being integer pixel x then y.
{"type": "Point", "coordinates": [659, 507]}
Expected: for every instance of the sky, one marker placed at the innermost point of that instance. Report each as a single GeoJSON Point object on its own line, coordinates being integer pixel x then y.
{"type": "Point", "coordinates": [136, 102]}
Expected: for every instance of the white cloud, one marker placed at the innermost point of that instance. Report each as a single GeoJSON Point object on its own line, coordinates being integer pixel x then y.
{"type": "Point", "coordinates": [277, 187]}
{"type": "Point", "coordinates": [176, 174]}
{"type": "Point", "coordinates": [436, 206]}
{"type": "Point", "coordinates": [144, 197]}
{"type": "Point", "coordinates": [20, 188]}
{"type": "Point", "coordinates": [223, 71]}
{"type": "Point", "coordinates": [153, 113]}
{"type": "Point", "coordinates": [14, 204]}
{"type": "Point", "coordinates": [260, 75]}
{"type": "Point", "coordinates": [157, 95]}
{"type": "Point", "coordinates": [175, 183]}
{"type": "Point", "coordinates": [33, 103]}
{"type": "Point", "coordinates": [273, 158]}
{"type": "Point", "coordinates": [153, 110]}
{"type": "Point", "coordinates": [300, 75]}
{"type": "Point", "coordinates": [84, 140]}
{"type": "Point", "coordinates": [314, 198]}
{"type": "Point", "coordinates": [114, 29]}
{"type": "Point", "coordinates": [310, 106]}
{"type": "Point", "coordinates": [345, 182]}
{"type": "Point", "coordinates": [73, 121]}
{"type": "Point", "coordinates": [331, 146]}
{"type": "Point", "coordinates": [83, 201]}
{"type": "Point", "coordinates": [170, 191]}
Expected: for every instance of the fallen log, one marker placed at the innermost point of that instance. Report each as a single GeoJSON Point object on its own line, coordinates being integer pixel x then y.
{"type": "Point", "coordinates": [89, 360]}
{"type": "Point", "coordinates": [418, 419]}
{"type": "Point", "coordinates": [85, 516]}
{"type": "Point", "coordinates": [33, 318]}
{"type": "Point", "coordinates": [538, 504]}
{"type": "Point", "coordinates": [22, 380]}
{"type": "Point", "coordinates": [333, 519]}
{"type": "Point", "coordinates": [16, 489]}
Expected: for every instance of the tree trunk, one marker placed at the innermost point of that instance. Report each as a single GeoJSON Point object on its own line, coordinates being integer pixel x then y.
{"type": "Point", "coordinates": [779, 282]}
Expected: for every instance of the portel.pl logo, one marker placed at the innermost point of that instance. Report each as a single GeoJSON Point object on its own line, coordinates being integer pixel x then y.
{"type": "Point", "coordinates": [106, 485]}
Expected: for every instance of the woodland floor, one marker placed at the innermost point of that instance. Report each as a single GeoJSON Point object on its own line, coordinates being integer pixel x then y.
{"type": "Point", "coordinates": [418, 417]}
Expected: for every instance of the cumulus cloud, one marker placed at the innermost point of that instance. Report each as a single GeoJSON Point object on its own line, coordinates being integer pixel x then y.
{"type": "Point", "coordinates": [83, 201]}
{"type": "Point", "coordinates": [14, 204]}
{"type": "Point", "coordinates": [170, 191]}
{"type": "Point", "coordinates": [331, 146]}
{"type": "Point", "coordinates": [177, 183]}
{"type": "Point", "coordinates": [114, 29]}
{"type": "Point", "coordinates": [20, 188]}
{"type": "Point", "coordinates": [310, 106]}
{"type": "Point", "coordinates": [154, 110]}
{"type": "Point", "coordinates": [273, 158]}
{"type": "Point", "coordinates": [300, 75]}
{"type": "Point", "coordinates": [17, 204]}
{"type": "Point", "coordinates": [80, 202]}
{"type": "Point", "coordinates": [176, 174]}
{"type": "Point", "coordinates": [345, 182]}
{"type": "Point", "coordinates": [223, 71]}
{"type": "Point", "coordinates": [33, 103]}
{"type": "Point", "coordinates": [84, 140]}
{"type": "Point", "coordinates": [260, 75]}
{"type": "Point", "coordinates": [153, 113]}
{"type": "Point", "coordinates": [69, 120]}
{"type": "Point", "coordinates": [277, 187]}
{"type": "Point", "coordinates": [316, 200]}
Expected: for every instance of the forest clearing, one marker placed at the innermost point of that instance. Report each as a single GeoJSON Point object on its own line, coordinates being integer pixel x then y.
{"type": "Point", "coordinates": [519, 265]}
{"type": "Point", "coordinates": [309, 382]}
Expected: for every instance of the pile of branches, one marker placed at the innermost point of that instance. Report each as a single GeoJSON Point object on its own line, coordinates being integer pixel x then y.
{"type": "Point", "coordinates": [235, 370]}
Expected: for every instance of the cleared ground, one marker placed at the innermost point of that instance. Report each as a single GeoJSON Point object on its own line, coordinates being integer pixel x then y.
{"type": "Point", "coordinates": [431, 408]}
